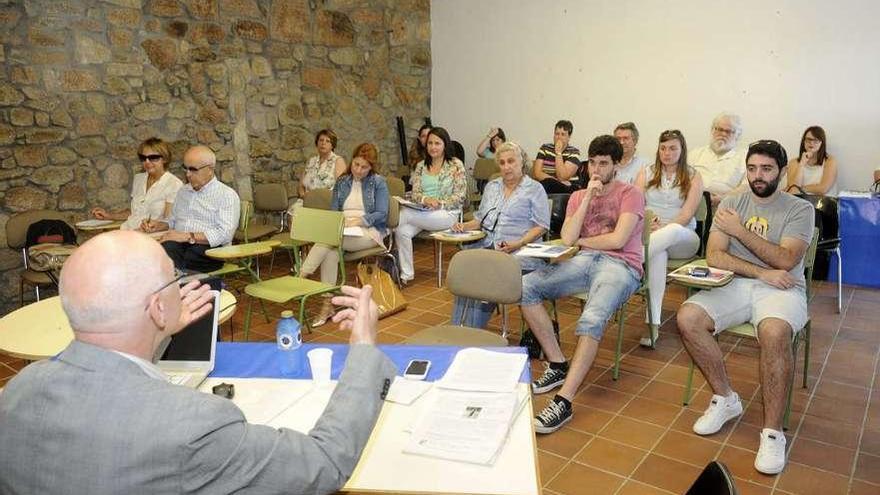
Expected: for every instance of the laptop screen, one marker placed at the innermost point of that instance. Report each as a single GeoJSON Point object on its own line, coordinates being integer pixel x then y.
{"type": "Point", "coordinates": [195, 343]}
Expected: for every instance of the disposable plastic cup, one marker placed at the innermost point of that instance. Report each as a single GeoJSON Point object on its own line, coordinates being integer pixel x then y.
{"type": "Point", "coordinates": [319, 361]}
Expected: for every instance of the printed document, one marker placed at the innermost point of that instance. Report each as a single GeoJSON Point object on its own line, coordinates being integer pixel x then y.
{"type": "Point", "coordinates": [480, 370]}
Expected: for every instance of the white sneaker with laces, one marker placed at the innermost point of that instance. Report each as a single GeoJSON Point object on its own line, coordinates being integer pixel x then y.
{"type": "Point", "coordinates": [771, 453]}
{"type": "Point", "coordinates": [721, 410]}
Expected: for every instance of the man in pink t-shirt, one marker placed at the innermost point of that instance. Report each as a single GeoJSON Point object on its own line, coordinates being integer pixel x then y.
{"type": "Point", "coordinates": [605, 220]}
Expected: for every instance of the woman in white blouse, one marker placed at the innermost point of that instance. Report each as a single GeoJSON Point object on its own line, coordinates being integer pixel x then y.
{"type": "Point", "coordinates": [152, 191]}
{"type": "Point", "coordinates": [322, 170]}
{"type": "Point", "coordinates": [673, 191]}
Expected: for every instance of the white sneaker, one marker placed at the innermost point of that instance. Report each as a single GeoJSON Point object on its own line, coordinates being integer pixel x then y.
{"type": "Point", "coordinates": [721, 409]}
{"type": "Point", "coordinates": [771, 453]}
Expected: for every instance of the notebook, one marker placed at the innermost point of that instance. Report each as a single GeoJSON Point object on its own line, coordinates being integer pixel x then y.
{"type": "Point", "coordinates": [189, 357]}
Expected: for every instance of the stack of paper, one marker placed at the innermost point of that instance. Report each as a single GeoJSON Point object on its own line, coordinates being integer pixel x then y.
{"type": "Point", "coordinates": [409, 204]}
{"type": "Point", "coordinates": [547, 251]}
{"type": "Point", "coordinates": [473, 408]}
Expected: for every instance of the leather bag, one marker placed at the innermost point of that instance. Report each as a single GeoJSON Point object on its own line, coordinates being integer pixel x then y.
{"type": "Point", "coordinates": [386, 294]}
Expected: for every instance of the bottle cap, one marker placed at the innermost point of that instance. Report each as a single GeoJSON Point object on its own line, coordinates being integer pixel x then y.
{"type": "Point", "coordinates": [287, 314]}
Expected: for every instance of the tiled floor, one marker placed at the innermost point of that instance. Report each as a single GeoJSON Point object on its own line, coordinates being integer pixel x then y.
{"type": "Point", "coordinates": [632, 436]}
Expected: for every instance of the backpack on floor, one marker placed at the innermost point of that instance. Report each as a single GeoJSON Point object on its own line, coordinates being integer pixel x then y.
{"type": "Point", "coordinates": [49, 243]}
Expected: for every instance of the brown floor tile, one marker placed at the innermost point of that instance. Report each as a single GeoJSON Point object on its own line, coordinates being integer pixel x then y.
{"type": "Point", "coordinates": [576, 478]}
{"type": "Point", "coordinates": [822, 455]}
{"type": "Point", "coordinates": [588, 419]}
{"type": "Point", "coordinates": [806, 480]}
{"type": "Point", "coordinates": [687, 447]}
{"type": "Point", "coordinates": [859, 487]}
{"type": "Point", "coordinates": [652, 411]}
{"type": "Point", "coordinates": [602, 398]}
{"type": "Point", "coordinates": [742, 465]}
{"type": "Point", "coordinates": [666, 473]}
{"type": "Point", "coordinates": [631, 432]}
{"type": "Point", "coordinates": [749, 488]}
{"type": "Point", "coordinates": [633, 487]}
{"type": "Point", "coordinates": [745, 436]}
{"type": "Point", "coordinates": [837, 410]}
{"type": "Point", "coordinates": [868, 468]}
{"type": "Point", "coordinates": [611, 456]}
{"type": "Point", "coordinates": [564, 443]}
{"type": "Point", "coordinates": [829, 431]}
{"type": "Point", "coordinates": [870, 441]}
{"type": "Point", "coordinates": [630, 383]}
{"type": "Point", "coordinates": [549, 465]}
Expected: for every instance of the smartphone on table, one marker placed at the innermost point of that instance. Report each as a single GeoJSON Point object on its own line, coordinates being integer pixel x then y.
{"type": "Point", "coordinates": [417, 369]}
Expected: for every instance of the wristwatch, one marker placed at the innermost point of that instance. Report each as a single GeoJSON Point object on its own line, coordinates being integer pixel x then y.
{"type": "Point", "coordinates": [192, 238]}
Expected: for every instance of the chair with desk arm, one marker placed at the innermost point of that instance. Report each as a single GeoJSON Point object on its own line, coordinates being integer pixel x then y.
{"type": "Point", "coordinates": [750, 331]}
{"type": "Point", "coordinates": [16, 238]}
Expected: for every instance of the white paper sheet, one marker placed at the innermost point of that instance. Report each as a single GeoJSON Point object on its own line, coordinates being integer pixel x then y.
{"type": "Point", "coordinates": [405, 391]}
{"type": "Point", "coordinates": [480, 370]}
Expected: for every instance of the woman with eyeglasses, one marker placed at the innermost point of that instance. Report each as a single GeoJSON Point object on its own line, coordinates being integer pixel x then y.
{"type": "Point", "coordinates": [362, 195]}
{"type": "Point", "coordinates": [322, 169]}
{"type": "Point", "coordinates": [152, 191]}
{"type": "Point", "coordinates": [513, 212]}
{"type": "Point", "coordinates": [439, 185]}
{"type": "Point", "coordinates": [673, 191]}
{"type": "Point", "coordinates": [814, 171]}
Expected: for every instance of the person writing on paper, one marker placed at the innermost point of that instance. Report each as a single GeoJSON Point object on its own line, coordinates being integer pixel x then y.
{"type": "Point", "coordinates": [152, 191]}
{"type": "Point", "coordinates": [513, 212]}
{"type": "Point", "coordinates": [322, 169]}
{"type": "Point", "coordinates": [440, 184]}
{"type": "Point", "coordinates": [489, 145]}
{"type": "Point", "coordinates": [761, 235]}
{"type": "Point", "coordinates": [673, 191]}
{"type": "Point", "coordinates": [101, 418]}
{"type": "Point", "coordinates": [205, 215]}
{"type": "Point", "coordinates": [605, 220]}
{"type": "Point", "coordinates": [362, 195]}
{"type": "Point", "coordinates": [814, 171]}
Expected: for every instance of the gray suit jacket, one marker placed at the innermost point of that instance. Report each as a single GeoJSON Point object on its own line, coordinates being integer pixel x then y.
{"type": "Point", "coordinates": [91, 421]}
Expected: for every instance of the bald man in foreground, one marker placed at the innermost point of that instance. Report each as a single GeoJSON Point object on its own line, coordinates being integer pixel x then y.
{"type": "Point", "coordinates": [101, 418]}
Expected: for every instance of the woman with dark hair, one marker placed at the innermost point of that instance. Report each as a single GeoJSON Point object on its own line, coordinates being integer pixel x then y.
{"type": "Point", "coordinates": [417, 152]}
{"type": "Point", "coordinates": [488, 146]}
{"type": "Point", "coordinates": [322, 170]}
{"type": "Point", "coordinates": [440, 186]}
{"type": "Point", "coordinates": [673, 191]}
{"type": "Point", "coordinates": [362, 195]}
{"type": "Point", "coordinates": [814, 171]}
{"type": "Point", "coordinates": [152, 191]}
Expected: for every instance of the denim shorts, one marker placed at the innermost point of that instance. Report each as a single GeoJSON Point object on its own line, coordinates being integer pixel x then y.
{"type": "Point", "coordinates": [608, 281]}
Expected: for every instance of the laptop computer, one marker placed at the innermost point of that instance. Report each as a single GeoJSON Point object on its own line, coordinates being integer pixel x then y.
{"type": "Point", "coordinates": [189, 356]}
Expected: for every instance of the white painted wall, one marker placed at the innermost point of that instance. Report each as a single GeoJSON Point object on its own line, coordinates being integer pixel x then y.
{"type": "Point", "coordinates": [675, 64]}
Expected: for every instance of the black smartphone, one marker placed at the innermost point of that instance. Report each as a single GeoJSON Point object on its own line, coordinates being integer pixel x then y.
{"type": "Point", "coordinates": [417, 369]}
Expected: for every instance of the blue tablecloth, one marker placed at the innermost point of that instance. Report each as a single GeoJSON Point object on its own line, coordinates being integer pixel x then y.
{"type": "Point", "coordinates": [263, 359]}
{"type": "Point", "coordinates": [859, 237]}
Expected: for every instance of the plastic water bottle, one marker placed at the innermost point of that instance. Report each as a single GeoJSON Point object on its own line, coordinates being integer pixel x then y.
{"type": "Point", "coordinates": [289, 340]}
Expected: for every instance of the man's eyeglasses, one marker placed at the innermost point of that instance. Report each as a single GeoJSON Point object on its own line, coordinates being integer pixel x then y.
{"type": "Point", "coordinates": [182, 279]}
{"type": "Point", "coordinates": [152, 157]}
{"type": "Point", "coordinates": [483, 226]}
{"type": "Point", "coordinates": [724, 130]}
{"type": "Point", "coordinates": [194, 169]}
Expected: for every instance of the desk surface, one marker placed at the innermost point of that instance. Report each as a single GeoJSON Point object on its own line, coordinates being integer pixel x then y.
{"type": "Point", "coordinates": [383, 466]}
{"type": "Point", "coordinates": [237, 251]}
{"type": "Point", "coordinates": [41, 330]}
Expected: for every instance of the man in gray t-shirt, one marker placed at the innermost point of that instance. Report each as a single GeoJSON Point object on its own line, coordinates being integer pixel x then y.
{"type": "Point", "coordinates": [762, 236]}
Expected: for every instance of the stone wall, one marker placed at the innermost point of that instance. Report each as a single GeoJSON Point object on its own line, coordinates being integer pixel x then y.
{"type": "Point", "coordinates": [82, 82]}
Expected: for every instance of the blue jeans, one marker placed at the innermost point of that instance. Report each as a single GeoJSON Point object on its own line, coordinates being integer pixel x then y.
{"type": "Point", "coordinates": [609, 282]}
{"type": "Point", "coordinates": [476, 314]}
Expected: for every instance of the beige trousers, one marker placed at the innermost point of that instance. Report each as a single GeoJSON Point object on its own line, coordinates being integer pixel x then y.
{"type": "Point", "coordinates": [328, 258]}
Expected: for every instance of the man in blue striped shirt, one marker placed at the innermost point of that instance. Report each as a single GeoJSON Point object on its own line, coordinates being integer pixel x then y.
{"type": "Point", "coordinates": [205, 215]}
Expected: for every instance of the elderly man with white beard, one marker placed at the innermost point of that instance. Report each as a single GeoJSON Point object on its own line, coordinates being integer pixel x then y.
{"type": "Point", "coordinates": [721, 164]}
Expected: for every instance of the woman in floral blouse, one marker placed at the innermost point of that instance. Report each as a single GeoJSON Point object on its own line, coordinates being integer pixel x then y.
{"type": "Point", "coordinates": [439, 184]}
{"type": "Point", "coordinates": [322, 170]}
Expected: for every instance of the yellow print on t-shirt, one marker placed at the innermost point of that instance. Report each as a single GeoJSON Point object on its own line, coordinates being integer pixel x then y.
{"type": "Point", "coordinates": [758, 225]}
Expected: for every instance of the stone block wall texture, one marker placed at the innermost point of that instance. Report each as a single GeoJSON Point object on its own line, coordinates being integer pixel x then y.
{"type": "Point", "coordinates": [83, 82]}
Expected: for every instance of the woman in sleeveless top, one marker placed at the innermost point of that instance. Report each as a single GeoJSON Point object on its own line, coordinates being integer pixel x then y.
{"type": "Point", "coordinates": [322, 170]}
{"type": "Point", "coordinates": [673, 191]}
{"type": "Point", "coordinates": [814, 171]}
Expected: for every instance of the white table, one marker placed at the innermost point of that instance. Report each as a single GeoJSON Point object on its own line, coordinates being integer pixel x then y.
{"type": "Point", "coordinates": [383, 467]}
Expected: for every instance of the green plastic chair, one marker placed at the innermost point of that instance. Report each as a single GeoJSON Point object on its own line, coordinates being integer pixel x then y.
{"type": "Point", "coordinates": [749, 330]}
{"type": "Point", "coordinates": [310, 225]}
